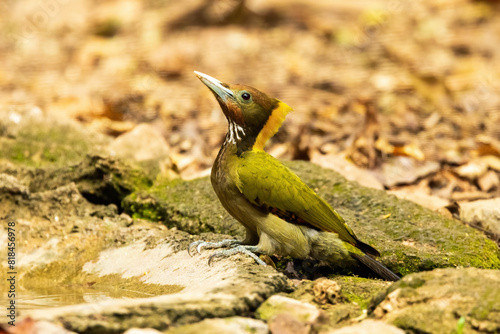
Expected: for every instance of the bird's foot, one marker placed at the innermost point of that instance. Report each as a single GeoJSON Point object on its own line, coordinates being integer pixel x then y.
{"type": "Point", "coordinates": [200, 244]}
{"type": "Point", "coordinates": [248, 250]}
{"type": "Point", "coordinates": [234, 246]}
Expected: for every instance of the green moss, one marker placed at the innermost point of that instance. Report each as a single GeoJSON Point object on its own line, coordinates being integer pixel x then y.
{"type": "Point", "coordinates": [191, 206]}
{"type": "Point", "coordinates": [360, 290]}
{"type": "Point", "coordinates": [411, 239]}
{"type": "Point", "coordinates": [445, 300]}
{"type": "Point", "coordinates": [36, 144]}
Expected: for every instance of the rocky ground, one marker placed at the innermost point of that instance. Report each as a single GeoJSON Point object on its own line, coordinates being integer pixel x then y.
{"type": "Point", "coordinates": [102, 248]}
{"type": "Point", "coordinates": [104, 176]}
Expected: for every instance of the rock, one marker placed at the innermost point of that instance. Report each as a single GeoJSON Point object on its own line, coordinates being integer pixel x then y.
{"type": "Point", "coordinates": [326, 291]}
{"type": "Point", "coordinates": [207, 293]}
{"type": "Point", "coordinates": [486, 213]}
{"type": "Point", "coordinates": [367, 327]}
{"type": "Point", "coordinates": [350, 298]}
{"type": "Point", "coordinates": [99, 179]}
{"type": "Point", "coordinates": [142, 331]}
{"type": "Point", "coordinates": [10, 184]}
{"type": "Point", "coordinates": [144, 146]}
{"type": "Point", "coordinates": [286, 323]}
{"type": "Point", "coordinates": [46, 327]}
{"type": "Point", "coordinates": [30, 326]}
{"type": "Point", "coordinates": [114, 267]}
{"type": "Point", "coordinates": [231, 325]}
{"type": "Point", "coordinates": [197, 291]}
{"type": "Point", "coordinates": [190, 206]}
{"type": "Point", "coordinates": [409, 237]}
{"type": "Point", "coordinates": [437, 302]}
{"type": "Point", "coordinates": [141, 144]}
{"type": "Point", "coordinates": [283, 312]}
{"type": "Point", "coordinates": [36, 140]}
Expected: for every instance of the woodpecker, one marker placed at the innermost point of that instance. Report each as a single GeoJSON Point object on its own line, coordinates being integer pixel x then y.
{"type": "Point", "coordinates": [280, 213]}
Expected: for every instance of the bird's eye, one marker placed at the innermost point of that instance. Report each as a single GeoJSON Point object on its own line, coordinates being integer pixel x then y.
{"type": "Point", "coordinates": [246, 96]}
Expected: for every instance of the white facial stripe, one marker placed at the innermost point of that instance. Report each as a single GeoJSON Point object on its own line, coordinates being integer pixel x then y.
{"type": "Point", "coordinates": [235, 132]}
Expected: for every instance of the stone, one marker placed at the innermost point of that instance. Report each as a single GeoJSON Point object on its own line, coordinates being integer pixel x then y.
{"type": "Point", "coordinates": [326, 291]}
{"type": "Point", "coordinates": [409, 237]}
{"type": "Point", "coordinates": [142, 331]}
{"type": "Point", "coordinates": [34, 139]}
{"type": "Point", "coordinates": [231, 325]}
{"type": "Point", "coordinates": [142, 143]}
{"type": "Point", "coordinates": [465, 300]}
{"type": "Point", "coordinates": [486, 213]}
{"type": "Point", "coordinates": [276, 305]}
{"type": "Point", "coordinates": [197, 291]}
{"type": "Point", "coordinates": [286, 323]}
{"type": "Point", "coordinates": [145, 146]}
{"type": "Point", "coordinates": [367, 327]}
{"type": "Point", "coordinates": [12, 185]}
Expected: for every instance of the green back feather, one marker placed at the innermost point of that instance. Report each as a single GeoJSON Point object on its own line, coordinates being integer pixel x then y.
{"type": "Point", "coordinates": [264, 180]}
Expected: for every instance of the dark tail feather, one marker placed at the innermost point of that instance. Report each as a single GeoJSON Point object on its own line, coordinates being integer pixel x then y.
{"type": "Point", "coordinates": [367, 248]}
{"type": "Point", "coordinates": [377, 267]}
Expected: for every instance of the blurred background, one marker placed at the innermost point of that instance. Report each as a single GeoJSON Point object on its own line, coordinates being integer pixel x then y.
{"type": "Point", "coordinates": [397, 94]}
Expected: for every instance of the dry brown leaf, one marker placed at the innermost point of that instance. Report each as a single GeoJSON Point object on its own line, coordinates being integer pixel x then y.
{"type": "Point", "coordinates": [473, 169]}
{"type": "Point", "coordinates": [489, 181]}
{"type": "Point", "coordinates": [410, 150]}
{"type": "Point", "coordinates": [347, 169]}
{"type": "Point", "coordinates": [488, 146]}
{"type": "Point", "coordinates": [493, 162]}
{"type": "Point", "coordinates": [420, 197]}
{"type": "Point", "coordinates": [404, 170]}
{"type": "Point", "coordinates": [469, 196]}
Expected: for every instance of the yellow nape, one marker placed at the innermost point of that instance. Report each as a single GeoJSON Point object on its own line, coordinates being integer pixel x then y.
{"type": "Point", "coordinates": [272, 125]}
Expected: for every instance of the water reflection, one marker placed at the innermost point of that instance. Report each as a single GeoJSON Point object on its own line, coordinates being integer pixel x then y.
{"type": "Point", "coordinates": [70, 295]}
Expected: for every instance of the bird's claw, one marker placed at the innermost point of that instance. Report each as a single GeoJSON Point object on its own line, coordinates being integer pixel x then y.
{"type": "Point", "coordinates": [248, 250]}
{"type": "Point", "coordinates": [200, 244]}
{"type": "Point", "coordinates": [195, 245]}
{"type": "Point", "coordinates": [233, 245]}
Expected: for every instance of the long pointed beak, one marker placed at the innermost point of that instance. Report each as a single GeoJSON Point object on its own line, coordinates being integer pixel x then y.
{"type": "Point", "coordinates": [218, 87]}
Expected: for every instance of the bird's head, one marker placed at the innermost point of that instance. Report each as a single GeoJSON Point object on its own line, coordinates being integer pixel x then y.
{"type": "Point", "coordinates": [253, 116]}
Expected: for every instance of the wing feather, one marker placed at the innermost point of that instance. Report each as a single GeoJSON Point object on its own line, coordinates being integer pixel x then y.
{"type": "Point", "coordinates": [265, 181]}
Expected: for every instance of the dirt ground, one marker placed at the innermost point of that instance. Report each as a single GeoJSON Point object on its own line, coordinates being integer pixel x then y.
{"type": "Point", "coordinates": [408, 91]}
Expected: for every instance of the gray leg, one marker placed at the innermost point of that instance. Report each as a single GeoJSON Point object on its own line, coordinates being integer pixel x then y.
{"type": "Point", "coordinates": [248, 250]}
{"type": "Point", "coordinates": [200, 244]}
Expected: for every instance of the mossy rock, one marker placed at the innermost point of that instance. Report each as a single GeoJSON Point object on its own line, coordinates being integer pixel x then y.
{"type": "Point", "coordinates": [465, 300]}
{"type": "Point", "coordinates": [409, 237]}
{"type": "Point", "coordinates": [40, 140]}
{"type": "Point", "coordinates": [99, 179]}
{"type": "Point", "coordinates": [191, 206]}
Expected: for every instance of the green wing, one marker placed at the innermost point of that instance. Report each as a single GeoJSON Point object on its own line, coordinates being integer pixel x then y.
{"type": "Point", "coordinates": [265, 181]}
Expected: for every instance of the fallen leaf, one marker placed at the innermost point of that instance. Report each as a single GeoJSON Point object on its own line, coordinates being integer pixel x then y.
{"type": "Point", "coordinates": [350, 171]}
{"type": "Point", "coordinates": [488, 181]}
{"type": "Point", "coordinates": [473, 169]}
{"type": "Point", "coordinates": [404, 170]}
{"type": "Point", "coordinates": [420, 197]}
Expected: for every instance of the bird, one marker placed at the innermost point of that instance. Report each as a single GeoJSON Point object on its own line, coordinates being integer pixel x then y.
{"type": "Point", "coordinates": [280, 213]}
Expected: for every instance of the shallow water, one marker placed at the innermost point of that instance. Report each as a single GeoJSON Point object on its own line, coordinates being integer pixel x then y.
{"type": "Point", "coordinates": [71, 295]}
